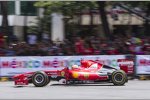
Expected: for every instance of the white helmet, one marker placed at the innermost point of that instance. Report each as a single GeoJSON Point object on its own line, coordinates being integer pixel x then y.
{"type": "Point", "coordinates": [75, 66]}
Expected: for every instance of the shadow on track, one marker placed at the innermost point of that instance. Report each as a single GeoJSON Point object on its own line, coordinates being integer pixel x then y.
{"type": "Point", "coordinates": [80, 85]}
{"type": "Point", "coordinates": [69, 85]}
{"type": "Point", "coordinates": [84, 84]}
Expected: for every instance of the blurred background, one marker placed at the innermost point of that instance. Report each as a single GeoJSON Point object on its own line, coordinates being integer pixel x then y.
{"type": "Point", "coordinates": [58, 28]}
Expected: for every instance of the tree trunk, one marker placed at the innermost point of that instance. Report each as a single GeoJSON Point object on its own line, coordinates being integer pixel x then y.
{"type": "Point", "coordinates": [147, 22]}
{"type": "Point", "coordinates": [25, 27]}
{"type": "Point", "coordinates": [5, 27]}
{"type": "Point", "coordinates": [91, 22]}
{"type": "Point", "coordinates": [104, 19]}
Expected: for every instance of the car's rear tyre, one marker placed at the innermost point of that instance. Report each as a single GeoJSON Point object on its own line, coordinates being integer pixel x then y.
{"type": "Point", "coordinates": [40, 79]}
{"type": "Point", "coordinates": [119, 77]}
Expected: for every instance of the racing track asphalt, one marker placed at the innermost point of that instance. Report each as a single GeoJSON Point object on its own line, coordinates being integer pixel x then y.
{"type": "Point", "coordinates": [134, 89]}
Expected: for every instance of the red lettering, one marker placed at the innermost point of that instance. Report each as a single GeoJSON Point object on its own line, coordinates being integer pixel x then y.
{"type": "Point", "coordinates": [46, 63]}
{"type": "Point", "coordinates": [5, 64]}
{"type": "Point", "coordinates": [142, 62]}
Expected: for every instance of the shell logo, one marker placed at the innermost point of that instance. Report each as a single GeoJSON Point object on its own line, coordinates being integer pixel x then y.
{"type": "Point", "coordinates": [75, 75]}
{"type": "Point", "coordinates": [63, 73]}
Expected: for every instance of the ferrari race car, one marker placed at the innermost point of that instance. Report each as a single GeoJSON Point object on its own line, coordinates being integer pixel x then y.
{"type": "Point", "coordinates": [88, 71]}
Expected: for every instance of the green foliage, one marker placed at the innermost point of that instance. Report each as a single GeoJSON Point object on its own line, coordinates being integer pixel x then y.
{"type": "Point", "coordinates": [141, 4]}
{"type": "Point", "coordinates": [71, 8]}
{"type": "Point", "coordinates": [67, 8]}
{"type": "Point", "coordinates": [42, 25]}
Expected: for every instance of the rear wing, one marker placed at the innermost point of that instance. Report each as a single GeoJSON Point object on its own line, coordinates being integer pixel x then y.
{"type": "Point", "coordinates": [126, 65]}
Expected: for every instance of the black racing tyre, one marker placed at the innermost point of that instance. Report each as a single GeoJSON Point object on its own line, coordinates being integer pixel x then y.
{"type": "Point", "coordinates": [48, 81]}
{"type": "Point", "coordinates": [119, 77]}
{"type": "Point", "coordinates": [40, 79]}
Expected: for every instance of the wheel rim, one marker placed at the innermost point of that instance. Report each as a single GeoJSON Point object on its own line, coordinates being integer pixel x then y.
{"type": "Point", "coordinates": [39, 78]}
{"type": "Point", "coordinates": [118, 77]}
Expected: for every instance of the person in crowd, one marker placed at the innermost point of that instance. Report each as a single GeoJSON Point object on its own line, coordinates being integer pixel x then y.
{"type": "Point", "coordinates": [79, 46]}
{"type": "Point", "coordinates": [76, 45]}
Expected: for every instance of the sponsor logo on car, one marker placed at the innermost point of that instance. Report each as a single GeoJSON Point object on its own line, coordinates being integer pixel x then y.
{"type": "Point", "coordinates": [86, 75]}
{"type": "Point", "coordinates": [75, 75]}
{"type": "Point", "coordinates": [62, 73]}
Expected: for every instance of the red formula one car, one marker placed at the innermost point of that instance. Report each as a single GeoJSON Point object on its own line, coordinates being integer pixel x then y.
{"type": "Point", "coordinates": [88, 71]}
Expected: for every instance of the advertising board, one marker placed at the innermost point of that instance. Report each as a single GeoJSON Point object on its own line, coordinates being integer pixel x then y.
{"type": "Point", "coordinates": [143, 64]}
{"type": "Point", "coordinates": [10, 66]}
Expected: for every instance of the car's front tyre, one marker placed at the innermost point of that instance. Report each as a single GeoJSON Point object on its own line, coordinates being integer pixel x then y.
{"type": "Point", "coordinates": [40, 79]}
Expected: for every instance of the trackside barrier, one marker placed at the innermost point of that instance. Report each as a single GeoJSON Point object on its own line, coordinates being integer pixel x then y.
{"type": "Point", "coordinates": [143, 67]}
{"type": "Point", "coordinates": [143, 64]}
{"type": "Point", "coordinates": [16, 65]}
{"type": "Point", "coordinates": [3, 79]}
{"type": "Point", "coordinates": [10, 66]}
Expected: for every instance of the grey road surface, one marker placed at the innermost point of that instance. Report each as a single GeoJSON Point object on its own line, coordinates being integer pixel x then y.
{"type": "Point", "coordinates": [134, 89]}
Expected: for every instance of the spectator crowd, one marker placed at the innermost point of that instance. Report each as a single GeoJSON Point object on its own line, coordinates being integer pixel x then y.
{"type": "Point", "coordinates": [90, 45]}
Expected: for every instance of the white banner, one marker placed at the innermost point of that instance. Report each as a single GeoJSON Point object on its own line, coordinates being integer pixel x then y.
{"type": "Point", "coordinates": [143, 64]}
{"type": "Point", "coordinates": [10, 66]}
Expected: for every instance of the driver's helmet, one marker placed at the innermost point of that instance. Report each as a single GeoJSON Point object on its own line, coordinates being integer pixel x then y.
{"type": "Point", "coordinates": [75, 66]}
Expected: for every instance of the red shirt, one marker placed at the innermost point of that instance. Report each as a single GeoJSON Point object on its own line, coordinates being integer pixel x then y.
{"type": "Point", "coordinates": [113, 52]}
{"type": "Point", "coordinates": [1, 41]}
{"type": "Point", "coordinates": [79, 47]}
